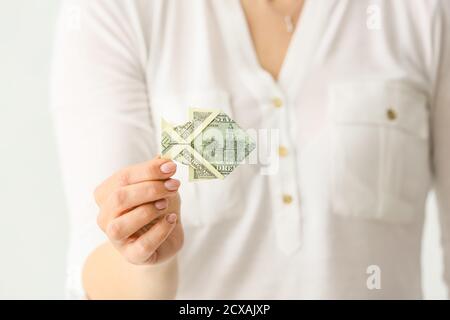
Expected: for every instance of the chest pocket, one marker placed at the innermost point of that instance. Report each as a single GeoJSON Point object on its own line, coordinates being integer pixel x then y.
{"type": "Point", "coordinates": [203, 202]}
{"type": "Point", "coordinates": [380, 151]}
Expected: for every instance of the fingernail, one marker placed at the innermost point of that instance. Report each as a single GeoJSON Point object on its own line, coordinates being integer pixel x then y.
{"type": "Point", "coordinates": [161, 204]}
{"type": "Point", "coordinates": [172, 184]}
{"type": "Point", "coordinates": [171, 218]}
{"type": "Point", "coordinates": [168, 167]}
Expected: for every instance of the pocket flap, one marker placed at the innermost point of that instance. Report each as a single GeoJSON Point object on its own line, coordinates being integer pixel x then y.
{"type": "Point", "coordinates": [385, 103]}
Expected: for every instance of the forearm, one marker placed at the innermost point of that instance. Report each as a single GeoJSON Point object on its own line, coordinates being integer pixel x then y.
{"type": "Point", "coordinates": [107, 275]}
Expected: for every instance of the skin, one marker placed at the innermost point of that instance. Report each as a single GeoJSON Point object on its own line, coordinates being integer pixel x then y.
{"type": "Point", "coordinates": [140, 213]}
{"type": "Point", "coordinates": [268, 31]}
{"type": "Point", "coordinates": [139, 206]}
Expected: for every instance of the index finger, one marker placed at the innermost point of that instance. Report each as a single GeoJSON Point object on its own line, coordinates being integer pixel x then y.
{"type": "Point", "coordinates": [155, 169]}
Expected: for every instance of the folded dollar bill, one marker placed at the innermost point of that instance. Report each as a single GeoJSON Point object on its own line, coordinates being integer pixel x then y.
{"type": "Point", "coordinates": [210, 143]}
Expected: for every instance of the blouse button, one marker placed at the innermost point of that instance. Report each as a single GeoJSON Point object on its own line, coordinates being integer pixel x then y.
{"type": "Point", "coordinates": [277, 102]}
{"type": "Point", "coordinates": [282, 151]}
{"type": "Point", "coordinates": [287, 198]}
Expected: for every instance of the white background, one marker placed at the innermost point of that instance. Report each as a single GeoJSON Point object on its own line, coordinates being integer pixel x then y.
{"type": "Point", "coordinates": [33, 221]}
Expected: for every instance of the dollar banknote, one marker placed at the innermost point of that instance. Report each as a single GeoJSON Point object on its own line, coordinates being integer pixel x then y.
{"type": "Point", "coordinates": [210, 143]}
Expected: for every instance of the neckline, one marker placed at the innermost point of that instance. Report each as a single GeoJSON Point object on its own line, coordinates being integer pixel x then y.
{"type": "Point", "coordinates": [250, 50]}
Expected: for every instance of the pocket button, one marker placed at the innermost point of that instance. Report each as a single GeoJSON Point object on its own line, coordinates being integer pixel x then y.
{"type": "Point", "coordinates": [391, 114]}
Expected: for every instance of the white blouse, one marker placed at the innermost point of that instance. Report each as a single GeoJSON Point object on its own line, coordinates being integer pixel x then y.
{"type": "Point", "coordinates": [361, 116]}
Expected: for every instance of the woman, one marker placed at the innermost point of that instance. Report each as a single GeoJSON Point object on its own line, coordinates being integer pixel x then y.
{"type": "Point", "coordinates": [357, 94]}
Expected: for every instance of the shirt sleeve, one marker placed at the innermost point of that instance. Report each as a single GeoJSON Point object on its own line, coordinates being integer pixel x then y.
{"type": "Point", "coordinates": [440, 120]}
{"type": "Point", "coordinates": [100, 109]}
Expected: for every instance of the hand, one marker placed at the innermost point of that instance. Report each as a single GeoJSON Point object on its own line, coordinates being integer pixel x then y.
{"type": "Point", "coordinates": [140, 211]}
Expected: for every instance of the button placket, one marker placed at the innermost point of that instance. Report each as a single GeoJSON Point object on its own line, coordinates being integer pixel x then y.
{"type": "Point", "coordinates": [288, 215]}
